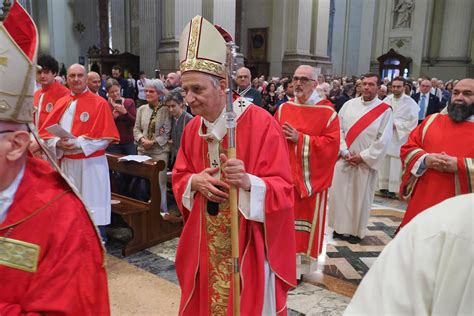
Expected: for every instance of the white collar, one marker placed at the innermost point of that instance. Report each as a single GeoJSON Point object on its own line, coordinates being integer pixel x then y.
{"type": "Point", "coordinates": [313, 99]}
{"type": "Point", "coordinates": [366, 103]}
{"type": "Point", "coordinates": [217, 130]}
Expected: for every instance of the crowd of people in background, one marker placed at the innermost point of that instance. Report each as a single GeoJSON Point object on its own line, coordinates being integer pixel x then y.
{"type": "Point", "coordinates": [312, 143]}
{"type": "Point", "coordinates": [127, 95]}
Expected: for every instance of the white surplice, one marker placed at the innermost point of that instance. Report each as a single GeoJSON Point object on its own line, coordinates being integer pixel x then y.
{"type": "Point", "coordinates": [352, 191]}
{"type": "Point", "coordinates": [405, 119]}
{"type": "Point", "coordinates": [89, 175]}
{"type": "Point", "coordinates": [427, 269]}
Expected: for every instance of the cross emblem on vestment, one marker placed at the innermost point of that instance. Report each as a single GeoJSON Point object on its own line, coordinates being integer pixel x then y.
{"type": "Point", "coordinates": [215, 164]}
{"type": "Point", "coordinates": [241, 103]}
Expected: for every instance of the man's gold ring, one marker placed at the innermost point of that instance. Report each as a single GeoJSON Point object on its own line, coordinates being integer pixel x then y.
{"type": "Point", "coordinates": [209, 194]}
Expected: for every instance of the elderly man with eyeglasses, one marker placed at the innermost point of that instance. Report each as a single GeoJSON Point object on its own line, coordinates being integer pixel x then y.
{"type": "Point", "coordinates": [312, 134]}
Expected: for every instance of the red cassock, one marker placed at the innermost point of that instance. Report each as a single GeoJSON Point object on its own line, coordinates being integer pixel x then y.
{"type": "Point", "coordinates": [52, 93]}
{"type": "Point", "coordinates": [326, 102]}
{"type": "Point", "coordinates": [312, 161]}
{"type": "Point", "coordinates": [437, 134]}
{"type": "Point", "coordinates": [70, 278]}
{"type": "Point", "coordinates": [202, 271]}
{"type": "Point", "coordinates": [93, 118]}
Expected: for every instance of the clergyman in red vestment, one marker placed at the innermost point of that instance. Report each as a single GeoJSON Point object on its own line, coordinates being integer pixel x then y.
{"type": "Point", "coordinates": [51, 259]}
{"type": "Point", "coordinates": [313, 135]}
{"type": "Point", "coordinates": [438, 158]}
{"type": "Point", "coordinates": [201, 176]}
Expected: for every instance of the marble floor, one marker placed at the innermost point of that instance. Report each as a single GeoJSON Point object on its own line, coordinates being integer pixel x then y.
{"type": "Point", "coordinates": [151, 286]}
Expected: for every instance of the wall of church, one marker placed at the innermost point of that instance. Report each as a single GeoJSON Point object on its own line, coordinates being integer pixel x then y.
{"type": "Point", "coordinates": [434, 34]}
{"type": "Point", "coordinates": [353, 31]}
{"type": "Point", "coordinates": [149, 34]}
{"type": "Point", "coordinates": [256, 14]}
{"type": "Point", "coordinates": [66, 28]}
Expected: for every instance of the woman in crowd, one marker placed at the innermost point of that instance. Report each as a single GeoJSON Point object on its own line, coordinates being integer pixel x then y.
{"type": "Point", "coordinates": [271, 98]}
{"type": "Point", "coordinates": [180, 118]}
{"type": "Point", "coordinates": [152, 130]}
{"type": "Point", "coordinates": [323, 90]}
{"type": "Point", "coordinates": [358, 88]}
{"type": "Point", "coordinates": [124, 113]}
{"type": "Point", "coordinates": [447, 91]}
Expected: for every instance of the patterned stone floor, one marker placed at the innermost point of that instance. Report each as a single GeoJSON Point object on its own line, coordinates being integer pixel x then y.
{"type": "Point", "coordinates": [327, 291]}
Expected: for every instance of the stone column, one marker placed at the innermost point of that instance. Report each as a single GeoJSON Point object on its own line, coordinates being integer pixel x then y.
{"type": "Point", "coordinates": [104, 26]}
{"type": "Point", "coordinates": [175, 15]}
{"type": "Point", "coordinates": [63, 44]}
{"type": "Point", "coordinates": [456, 24]}
{"type": "Point", "coordinates": [224, 15]}
{"type": "Point", "coordinates": [135, 28]}
{"type": "Point", "coordinates": [319, 35]}
{"type": "Point", "coordinates": [277, 42]}
{"type": "Point", "coordinates": [117, 19]}
{"type": "Point", "coordinates": [297, 51]}
{"type": "Point", "coordinates": [148, 36]}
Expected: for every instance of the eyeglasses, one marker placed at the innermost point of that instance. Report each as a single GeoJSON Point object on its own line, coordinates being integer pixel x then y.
{"type": "Point", "coordinates": [7, 131]}
{"type": "Point", "coordinates": [303, 80]}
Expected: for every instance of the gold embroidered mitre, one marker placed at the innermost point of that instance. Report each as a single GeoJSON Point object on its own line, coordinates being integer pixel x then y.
{"type": "Point", "coordinates": [18, 47]}
{"type": "Point", "coordinates": [202, 48]}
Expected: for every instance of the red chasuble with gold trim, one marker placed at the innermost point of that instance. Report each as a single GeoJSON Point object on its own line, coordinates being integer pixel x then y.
{"type": "Point", "coordinates": [92, 119]}
{"type": "Point", "coordinates": [436, 135]}
{"type": "Point", "coordinates": [52, 94]}
{"type": "Point", "coordinates": [203, 256]}
{"type": "Point", "coordinates": [56, 264]}
{"type": "Point", "coordinates": [312, 161]}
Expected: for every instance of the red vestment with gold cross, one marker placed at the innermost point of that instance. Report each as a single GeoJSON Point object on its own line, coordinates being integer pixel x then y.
{"type": "Point", "coordinates": [203, 261]}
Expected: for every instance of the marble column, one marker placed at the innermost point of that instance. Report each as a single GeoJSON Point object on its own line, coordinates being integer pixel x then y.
{"type": "Point", "coordinates": [319, 35]}
{"type": "Point", "coordinates": [224, 15]}
{"type": "Point", "coordinates": [297, 51]}
{"type": "Point", "coordinates": [457, 22]}
{"type": "Point", "coordinates": [148, 36]}
{"type": "Point", "coordinates": [277, 41]}
{"type": "Point", "coordinates": [117, 20]}
{"type": "Point", "coordinates": [175, 15]}
{"type": "Point", "coordinates": [62, 39]}
{"type": "Point", "coordinates": [104, 34]}
{"type": "Point", "coordinates": [135, 28]}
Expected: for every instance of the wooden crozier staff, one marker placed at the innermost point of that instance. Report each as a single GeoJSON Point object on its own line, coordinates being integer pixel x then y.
{"type": "Point", "coordinates": [232, 154]}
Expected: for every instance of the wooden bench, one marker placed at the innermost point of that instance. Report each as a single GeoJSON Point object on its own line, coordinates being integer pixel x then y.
{"type": "Point", "coordinates": [144, 218]}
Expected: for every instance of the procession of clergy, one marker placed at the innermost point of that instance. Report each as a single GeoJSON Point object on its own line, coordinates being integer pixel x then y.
{"type": "Point", "coordinates": [289, 170]}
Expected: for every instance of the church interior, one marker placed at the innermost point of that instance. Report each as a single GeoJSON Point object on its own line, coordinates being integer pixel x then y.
{"type": "Point", "coordinates": [341, 39]}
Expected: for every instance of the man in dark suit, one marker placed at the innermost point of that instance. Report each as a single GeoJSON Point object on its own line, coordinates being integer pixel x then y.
{"type": "Point", "coordinates": [347, 91]}
{"type": "Point", "coordinates": [428, 103]}
{"type": "Point", "coordinates": [243, 80]}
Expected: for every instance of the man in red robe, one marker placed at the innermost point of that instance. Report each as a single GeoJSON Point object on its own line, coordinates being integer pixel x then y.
{"type": "Point", "coordinates": [201, 176]}
{"type": "Point", "coordinates": [438, 158]}
{"type": "Point", "coordinates": [50, 92]}
{"type": "Point", "coordinates": [312, 133]}
{"type": "Point", "coordinates": [51, 260]}
{"type": "Point", "coordinates": [88, 118]}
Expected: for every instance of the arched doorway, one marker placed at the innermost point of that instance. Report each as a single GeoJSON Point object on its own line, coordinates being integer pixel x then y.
{"type": "Point", "coordinates": [392, 65]}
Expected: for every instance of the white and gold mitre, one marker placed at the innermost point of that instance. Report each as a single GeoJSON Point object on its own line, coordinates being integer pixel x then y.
{"type": "Point", "coordinates": [202, 48]}
{"type": "Point", "coordinates": [18, 47]}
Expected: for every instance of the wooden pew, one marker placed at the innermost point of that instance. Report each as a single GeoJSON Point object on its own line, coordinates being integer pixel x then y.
{"type": "Point", "coordinates": [144, 218]}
